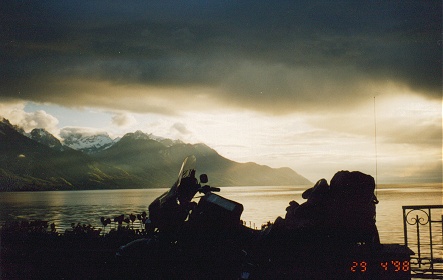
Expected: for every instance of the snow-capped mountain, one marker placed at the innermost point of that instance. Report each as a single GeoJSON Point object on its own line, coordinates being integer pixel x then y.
{"type": "Point", "coordinates": [87, 143]}
{"type": "Point", "coordinates": [93, 143]}
{"type": "Point", "coordinates": [144, 136]}
{"type": "Point", "coordinates": [44, 137]}
{"type": "Point", "coordinates": [137, 135]}
{"type": "Point", "coordinates": [165, 141]}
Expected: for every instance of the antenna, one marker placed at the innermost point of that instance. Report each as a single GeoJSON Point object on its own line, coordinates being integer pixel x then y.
{"type": "Point", "coordinates": [375, 144]}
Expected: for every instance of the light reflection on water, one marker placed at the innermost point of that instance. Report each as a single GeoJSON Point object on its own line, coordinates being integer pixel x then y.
{"type": "Point", "coordinates": [261, 204]}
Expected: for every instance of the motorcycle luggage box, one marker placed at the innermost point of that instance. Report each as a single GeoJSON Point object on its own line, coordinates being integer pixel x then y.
{"type": "Point", "coordinates": [218, 211]}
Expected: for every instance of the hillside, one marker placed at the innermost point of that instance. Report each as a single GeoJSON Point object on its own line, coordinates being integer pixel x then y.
{"type": "Point", "coordinates": [26, 164]}
{"type": "Point", "coordinates": [137, 160]}
{"type": "Point", "coordinates": [158, 164]}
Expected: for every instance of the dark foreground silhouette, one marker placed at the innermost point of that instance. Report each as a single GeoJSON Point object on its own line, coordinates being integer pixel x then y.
{"type": "Point", "coordinates": [332, 235]}
{"type": "Point", "coordinates": [35, 250]}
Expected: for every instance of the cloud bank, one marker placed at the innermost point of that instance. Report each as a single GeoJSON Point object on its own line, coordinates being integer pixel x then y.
{"type": "Point", "coordinates": [159, 56]}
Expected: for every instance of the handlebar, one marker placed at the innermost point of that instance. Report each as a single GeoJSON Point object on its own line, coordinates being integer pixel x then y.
{"type": "Point", "coordinates": [205, 189]}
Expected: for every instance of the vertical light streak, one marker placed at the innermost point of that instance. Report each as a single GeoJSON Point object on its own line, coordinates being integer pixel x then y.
{"type": "Point", "coordinates": [375, 145]}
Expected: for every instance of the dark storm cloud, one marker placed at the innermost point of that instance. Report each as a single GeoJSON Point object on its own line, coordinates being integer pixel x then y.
{"type": "Point", "coordinates": [253, 52]}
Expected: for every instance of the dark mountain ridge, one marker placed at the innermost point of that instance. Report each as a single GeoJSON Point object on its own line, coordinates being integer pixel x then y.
{"type": "Point", "coordinates": [26, 164]}
{"type": "Point", "coordinates": [44, 137]}
{"type": "Point", "coordinates": [137, 160]}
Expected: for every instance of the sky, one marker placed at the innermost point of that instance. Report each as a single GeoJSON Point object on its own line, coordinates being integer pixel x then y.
{"type": "Point", "coordinates": [317, 86]}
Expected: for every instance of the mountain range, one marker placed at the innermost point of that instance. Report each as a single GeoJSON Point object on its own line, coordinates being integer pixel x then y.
{"type": "Point", "coordinates": [40, 161]}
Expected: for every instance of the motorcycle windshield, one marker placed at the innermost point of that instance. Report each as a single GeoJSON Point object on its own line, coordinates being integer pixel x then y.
{"type": "Point", "coordinates": [187, 184]}
{"type": "Point", "coordinates": [187, 170]}
{"type": "Point", "coordinates": [182, 188]}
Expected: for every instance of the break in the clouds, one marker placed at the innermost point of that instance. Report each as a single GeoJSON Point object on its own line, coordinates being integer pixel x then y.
{"type": "Point", "coordinates": [159, 56]}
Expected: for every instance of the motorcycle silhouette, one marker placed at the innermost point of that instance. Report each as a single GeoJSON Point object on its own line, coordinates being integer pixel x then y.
{"type": "Point", "coordinates": [189, 240]}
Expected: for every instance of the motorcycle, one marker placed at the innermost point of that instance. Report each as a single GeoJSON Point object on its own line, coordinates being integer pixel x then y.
{"type": "Point", "coordinates": [188, 239]}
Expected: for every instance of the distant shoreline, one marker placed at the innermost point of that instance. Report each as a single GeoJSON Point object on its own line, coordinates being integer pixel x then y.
{"type": "Point", "coordinates": [379, 186]}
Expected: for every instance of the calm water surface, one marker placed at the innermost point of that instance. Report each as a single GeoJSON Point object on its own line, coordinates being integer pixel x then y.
{"type": "Point", "coordinates": [261, 204]}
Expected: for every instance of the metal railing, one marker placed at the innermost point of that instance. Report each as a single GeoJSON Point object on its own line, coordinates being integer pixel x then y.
{"type": "Point", "coordinates": [423, 234]}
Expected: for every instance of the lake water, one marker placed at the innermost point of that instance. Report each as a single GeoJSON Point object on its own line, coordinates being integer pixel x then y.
{"type": "Point", "coordinates": [261, 204]}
